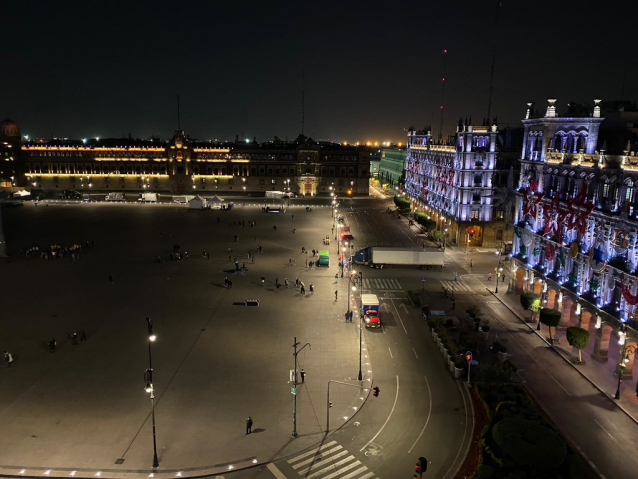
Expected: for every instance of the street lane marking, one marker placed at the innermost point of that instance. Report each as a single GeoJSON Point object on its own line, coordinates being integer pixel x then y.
{"type": "Point", "coordinates": [469, 443]}
{"type": "Point", "coordinates": [427, 420]}
{"type": "Point", "coordinates": [386, 421]}
{"type": "Point", "coordinates": [390, 352]}
{"type": "Point", "coordinates": [303, 472]}
{"type": "Point", "coordinates": [334, 466]}
{"type": "Point", "coordinates": [399, 316]}
{"type": "Point", "coordinates": [275, 471]}
{"type": "Point", "coordinates": [601, 426]}
{"type": "Point", "coordinates": [322, 453]}
{"type": "Point", "coordinates": [306, 454]}
{"type": "Point", "coordinates": [417, 356]}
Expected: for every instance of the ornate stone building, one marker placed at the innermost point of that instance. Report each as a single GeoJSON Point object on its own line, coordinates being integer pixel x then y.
{"type": "Point", "coordinates": [181, 166]}
{"type": "Point", "coordinates": [576, 233]}
{"type": "Point", "coordinates": [463, 185]}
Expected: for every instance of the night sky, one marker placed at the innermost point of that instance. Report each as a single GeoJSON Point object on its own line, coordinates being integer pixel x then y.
{"type": "Point", "coordinates": [110, 68]}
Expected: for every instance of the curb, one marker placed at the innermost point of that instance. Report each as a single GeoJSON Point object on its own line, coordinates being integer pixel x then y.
{"type": "Point", "coordinates": [613, 401]}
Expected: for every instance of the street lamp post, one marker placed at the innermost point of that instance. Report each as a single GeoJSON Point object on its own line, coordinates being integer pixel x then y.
{"type": "Point", "coordinates": [360, 377]}
{"type": "Point", "coordinates": [294, 395]}
{"type": "Point", "coordinates": [149, 386]}
{"type": "Point", "coordinates": [498, 271]}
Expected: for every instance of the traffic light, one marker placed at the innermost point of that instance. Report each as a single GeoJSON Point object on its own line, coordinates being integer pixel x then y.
{"type": "Point", "coordinates": [468, 356]}
{"type": "Point", "coordinates": [421, 467]}
{"type": "Point", "coordinates": [375, 391]}
{"type": "Point", "coordinates": [472, 232]}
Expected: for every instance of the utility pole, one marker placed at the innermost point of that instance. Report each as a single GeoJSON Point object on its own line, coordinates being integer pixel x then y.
{"type": "Point", "coordinates": [360, 377]}
{"type": "Point", "coordinates": [294, 392]}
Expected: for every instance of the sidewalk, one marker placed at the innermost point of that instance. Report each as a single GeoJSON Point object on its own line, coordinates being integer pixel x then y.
{"type": "Point", "coordinates": [601, 375]}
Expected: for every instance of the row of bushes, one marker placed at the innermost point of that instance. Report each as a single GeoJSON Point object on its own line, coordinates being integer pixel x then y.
{"type": "Point", "coordinates": [576, 337]}
{"type": "Point", "coordinates": [401, 203]}
{"type": "Point", "coordinates": [425, 221]}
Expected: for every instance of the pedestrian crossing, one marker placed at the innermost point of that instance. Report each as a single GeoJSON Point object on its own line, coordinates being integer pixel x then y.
{"type": "Point", "coordinates": [457, 286]}
{"type": "Point", "coordinates": [384, 284]}
{"type": "Point", "coordinates": [329, 461]}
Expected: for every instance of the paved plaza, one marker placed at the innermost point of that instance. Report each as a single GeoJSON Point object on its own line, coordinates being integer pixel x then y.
{"type": "Point", "coordinates": [215, 362]}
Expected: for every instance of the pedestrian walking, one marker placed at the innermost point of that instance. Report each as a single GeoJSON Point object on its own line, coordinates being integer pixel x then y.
{"type": "Point", "coordinates": [226, 282]}
{"type": "Point", "coordinates": [110, 279]}
{"type": "Point", "coordinates": [489, 276]}
{"type": "Point", "coordinates": [249, 425]}
{"type": "Point", "coordinates": [303, 376]}
{"type": "Point", "coordinates": [8, 358]}
{"type": "Point", "coordinates": [312, 288]}
{"type": "Point", "coordinates": [286, 283]}
{"type": "Point", "coordinates": [306, 263]}
{"type": "Point", "coordinates": [263, 279]}
{"type": "Point", "coordinates": [52, 344]}
{"type": "Point", "coordinates": [336, 295]}
{"type": "Point", "coordinates": [253, 260]}
{"type": "Point", "coordinates": [303, 289]}
{"type": "Point", "coordinates": [289, 261]}
{"type": "Point", "coordinates": [503, 276]}
{"type": "Point", "coordinates": [82, 335]}
{"type": "Point", "coordinates": [296, 282]}
{"type": "Point", "coordinates": [456, 276]}
{"type": "Point", "coordinates": [471, 264]}
{"type": "Point", "coordinates": [74, 339]}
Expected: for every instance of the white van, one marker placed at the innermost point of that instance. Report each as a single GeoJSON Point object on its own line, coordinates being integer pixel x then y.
{"type": "Point", "coordinates": [115, 197]}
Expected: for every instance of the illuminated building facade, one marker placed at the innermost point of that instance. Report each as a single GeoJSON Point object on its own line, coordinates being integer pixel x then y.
{"type": "Point", "coordinates": [576, 233]}
{"type": "Point", "coordinates": [463, 185]}
{"type": "Point", "coordinates": [181, 166]}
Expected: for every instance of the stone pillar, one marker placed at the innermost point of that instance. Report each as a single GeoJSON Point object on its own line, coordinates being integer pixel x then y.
{"type": "Point", "coordinates": [585, 319]}
{"type": "Point", "coordinates": [551, 299]}
{"type": "Point", "coordinates": [601, 344]}
{"type": "Point", "coordinates": [568, 314]}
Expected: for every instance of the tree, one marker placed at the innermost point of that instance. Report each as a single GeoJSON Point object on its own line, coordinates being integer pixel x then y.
{"type": "Point", "coordinates": [550, 318]}
{"type": "Point", "coordinates": [579, 339]}
{"type": "Point", "coordinates": [531, 302]}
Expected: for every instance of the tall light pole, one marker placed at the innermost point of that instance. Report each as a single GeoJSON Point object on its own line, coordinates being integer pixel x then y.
{"type": "Point", "coordinates": [498, 271]}
{"type": "Point", "coordinates": [148, 378]}
{"type": "Point", "coordinates": [294, 394]}
{"type": "Point", "coordinates": [360, 377]}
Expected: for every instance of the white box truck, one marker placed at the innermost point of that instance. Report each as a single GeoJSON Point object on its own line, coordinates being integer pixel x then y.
{"type": "Point", "coordinates": [376, 255]}
{"type": "Point", "coordinates": [148, 197]}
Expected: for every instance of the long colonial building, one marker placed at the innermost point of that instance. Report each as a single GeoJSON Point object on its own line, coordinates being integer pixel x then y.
{"type": "Point", "coordinates": [576, 233]}
{"type": "Point", "coordinates": [463, 185]}
{"type": "Point", "coordinates": [181, 166]}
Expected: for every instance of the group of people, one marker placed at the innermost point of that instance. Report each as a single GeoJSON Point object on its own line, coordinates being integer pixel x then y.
{"type": "Point", "coordinates": [56, 251]}
{"type": "Point", "coordinates": [75, 337]}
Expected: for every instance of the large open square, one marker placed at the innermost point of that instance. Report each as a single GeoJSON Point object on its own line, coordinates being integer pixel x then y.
{"type": "Point", "coordinates": [215, 362]}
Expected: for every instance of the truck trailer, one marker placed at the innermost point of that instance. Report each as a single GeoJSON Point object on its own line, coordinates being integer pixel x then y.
{"type": "Point", "coordinates": [378, 256]}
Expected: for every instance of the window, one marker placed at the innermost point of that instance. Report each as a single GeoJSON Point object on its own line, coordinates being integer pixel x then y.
{"type": "Point", "coordinates": [475, 214]}
{"type": "Point", "coordinates": [253, 171]}
{"type": "Point", "coordinates": [476, 196]}
{"type": "Point", "coordinates": [272, 181]}
{"type": "Point", "coordinates": [606, 189]}
{"type": "Point", "coordinates": [500, 214]}
{"type": "Point", "coordinates": [629, 194]}
{"type": "Point", "coordinates": [478, 178]}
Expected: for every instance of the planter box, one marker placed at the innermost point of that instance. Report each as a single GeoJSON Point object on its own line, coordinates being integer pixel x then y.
{"type": "Point", "coordinates": [438, 341]}
{"type": "Point", "coordinates": [451, 365]}
{"type": "Point", "coordinates": [446, 355]}
{"type": "Point", "coordinates": [502, 356]}
{"type": "Point", "coordinates": [442, 347]}
{"type": "Point", "coordinates": [483, 335]}
{"type": "Point", "coordinates": [434, 335]}
{"type": "Point", "coordinates": [553, 340]}
{"type": "Point", "coordinates": [574, 359]}
{"type": "Point", "coordinates": [458, 372]}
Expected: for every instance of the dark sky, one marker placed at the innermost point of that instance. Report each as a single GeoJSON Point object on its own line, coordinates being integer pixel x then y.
{"type": "Point", "coordinates": [109, 68]}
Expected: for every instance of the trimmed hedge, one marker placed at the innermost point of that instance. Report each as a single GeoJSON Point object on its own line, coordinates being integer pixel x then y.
{"type": "Point", "coordinates": [550, 318]}
{"type": "Point", "coordinates": [402, 203]}
{"type": "Point", "coordinates": [529, 443]}
{"type": "Point", "coordinates": [577, 338]}
{"type": "Point", "coordinates": [530, 301]}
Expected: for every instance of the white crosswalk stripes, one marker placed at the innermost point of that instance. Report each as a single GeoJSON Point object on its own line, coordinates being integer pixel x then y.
{"type": "Point", "coordinates": [330, 461]}
{"type": "Point", "coordinates": [383, 284]}
{"type": "Point", "coordinates": [457, 286]}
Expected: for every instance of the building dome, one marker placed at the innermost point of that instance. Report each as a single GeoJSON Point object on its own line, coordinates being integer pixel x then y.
{"type": "Point", "coordinates": [9, 128]}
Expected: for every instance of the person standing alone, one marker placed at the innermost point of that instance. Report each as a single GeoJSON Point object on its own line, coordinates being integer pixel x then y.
{"type": "Point", "coordinates": [249, 425]}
